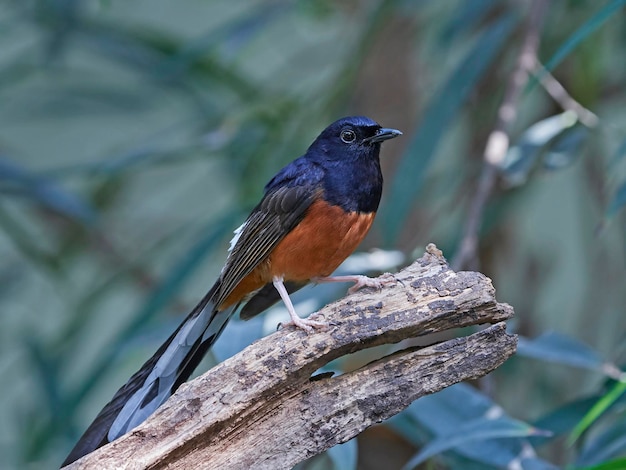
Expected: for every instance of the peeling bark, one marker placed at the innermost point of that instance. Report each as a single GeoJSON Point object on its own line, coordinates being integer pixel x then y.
{"type": "Point", "coordinates": [261, 408]}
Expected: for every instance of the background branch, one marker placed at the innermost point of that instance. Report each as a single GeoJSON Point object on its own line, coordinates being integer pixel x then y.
{"type": "Point", "coordinates": [559, 94]}
{"type": "Point", "coordinates": [498, 140]}
{"type": "Point", "coordinates": [263, 409]}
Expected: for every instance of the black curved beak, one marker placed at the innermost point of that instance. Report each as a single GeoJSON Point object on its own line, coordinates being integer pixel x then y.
{"type": "Point", "coordinates": [383, 134]}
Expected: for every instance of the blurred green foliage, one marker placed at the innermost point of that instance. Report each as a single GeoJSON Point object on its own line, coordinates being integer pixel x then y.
{"type": "Point", "coordinates": [136, 135]}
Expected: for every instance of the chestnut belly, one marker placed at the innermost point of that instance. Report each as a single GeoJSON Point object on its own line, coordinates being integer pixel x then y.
{"type": "Point", "coordinates": [320, 243]}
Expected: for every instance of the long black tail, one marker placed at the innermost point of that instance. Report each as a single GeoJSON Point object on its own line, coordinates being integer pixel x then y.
{"type": "Point", "coordinates": [157, 379]}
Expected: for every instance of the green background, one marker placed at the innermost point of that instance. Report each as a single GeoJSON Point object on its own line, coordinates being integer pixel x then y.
{"type": "Point", "coordinates": [136, 135]}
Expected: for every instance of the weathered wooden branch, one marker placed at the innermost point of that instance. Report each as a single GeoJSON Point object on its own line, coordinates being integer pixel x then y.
{"type": "Point", "coordinates": [262, 409]}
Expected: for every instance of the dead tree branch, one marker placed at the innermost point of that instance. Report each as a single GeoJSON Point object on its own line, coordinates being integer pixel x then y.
{"type": "Point", "coordinates": [263, 409]}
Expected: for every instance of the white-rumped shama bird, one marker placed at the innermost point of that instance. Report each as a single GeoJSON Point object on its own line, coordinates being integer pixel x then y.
{"type": "Point", "coordinates": [313, 215]}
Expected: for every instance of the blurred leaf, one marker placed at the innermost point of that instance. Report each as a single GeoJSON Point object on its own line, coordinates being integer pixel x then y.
{"type": "Point", "coordinates": [27, 243]}
{"type": "Point", "coordinates": [344, 456]}
{"type": "Point", "coordinates": [459, 403]}
{"type": "Point", "coordinates": [18, 179]}
{"type": "Point", "coordinates": [605, 445]}
{"type": "Point", "coordinates": [45, 370]}
{"type": "Point", "coordinates": [477, 430]}
{"type": "Point", "coordinates": [556, 347]}
{"type": "Point", "coordinates": [147, 155]}
{"type": "Point", "coordinates": [618, 201]}
{"type": "Point", "coordinates": [92, 97]}
{"type": "Point", "coordinates": [171, 61]}
{"type": "Point", "coordinates": [563, 419]}
{"type": "Point", "coordinates": [598, 410]}
{"type": "Point", "coordinates": [460, 406]}
{"type": "Point", "coordinates": [234, 35]}
{"type": "Point", "coordinates": [619, 464]}
{"type": "Point", "coordinates": [522, 157]}
{"type": "Point", "coordinates": [87, 304]}
{"type": "Point", "coordinates": [466, 17]}
{"type": "Point", "coordinates": [565, 148]}
{"type": "Point", "coordinates": [578, 36]}
{"type": "Point", "coordinates": [135, 159]}
{"type": "Point", "coordinates": [618, 198]}
{"type": "Point", "coordinates": [59, 19]}
{"type": "Point", "coordinates": [619, 154]}
{"type": "Point", "coordinates": [438, 116]}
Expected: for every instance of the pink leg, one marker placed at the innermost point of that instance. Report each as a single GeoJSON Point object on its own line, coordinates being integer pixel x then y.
{"type": "Point", "coordinates": [303, 323]}
{"type": "Point", "coordinates": [359, 281]}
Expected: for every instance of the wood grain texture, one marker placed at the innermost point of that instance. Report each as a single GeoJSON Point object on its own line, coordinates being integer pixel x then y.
{"type": "Point", "coordinates": [260, 409]}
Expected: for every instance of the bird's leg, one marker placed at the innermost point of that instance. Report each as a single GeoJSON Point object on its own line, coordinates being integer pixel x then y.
{"type": "Point", "coordinates": [303, 323]}
{"type": "Point", "coordinates": [360, 281]}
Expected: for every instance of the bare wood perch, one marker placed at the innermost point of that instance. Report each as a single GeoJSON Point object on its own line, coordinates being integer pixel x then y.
{"type": "Point", "coordinates": [260, 409]}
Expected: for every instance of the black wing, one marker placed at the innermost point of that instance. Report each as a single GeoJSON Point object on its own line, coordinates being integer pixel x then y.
{"type": "Point", "coordinates": [275, 216]}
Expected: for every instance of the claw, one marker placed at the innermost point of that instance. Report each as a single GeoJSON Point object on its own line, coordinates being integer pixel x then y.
{"type": "Point", "coordinates": [377, 283]}
{"type": "Point", "coordinates": [385, 280]}
{"type": "Point", "coordinates": [304, 324]}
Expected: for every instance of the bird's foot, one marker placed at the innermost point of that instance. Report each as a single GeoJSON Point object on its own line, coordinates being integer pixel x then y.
{"type": "Point", "coordinates": [304, 323]}
{"type": "Point", "coordinates": [361, 281]}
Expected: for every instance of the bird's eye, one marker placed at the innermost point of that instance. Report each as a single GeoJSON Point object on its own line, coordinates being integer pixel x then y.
{"type": "Point", "coordinates": [348, 136]}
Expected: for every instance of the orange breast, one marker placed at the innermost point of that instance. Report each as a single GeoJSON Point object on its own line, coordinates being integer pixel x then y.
{"type": "Point", "coordinates": [320, 243]}
{"type": "Point", "coordinates": [314, 248]}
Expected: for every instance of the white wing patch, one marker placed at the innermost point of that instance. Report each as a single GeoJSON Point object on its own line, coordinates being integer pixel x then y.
{"type": "Point", "coordinates": [233, 242]}
{"type": "Point", "coordinates": [235, 239]}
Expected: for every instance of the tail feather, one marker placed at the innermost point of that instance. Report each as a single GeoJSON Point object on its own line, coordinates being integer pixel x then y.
{"type": "Point", "coordinates": [157, 379]}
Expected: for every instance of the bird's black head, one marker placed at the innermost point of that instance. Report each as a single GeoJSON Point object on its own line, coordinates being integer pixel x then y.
{"type": "Point", "coordinates": [351, 138]}
{"type": "Point", "coordinates": [348, 151]}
